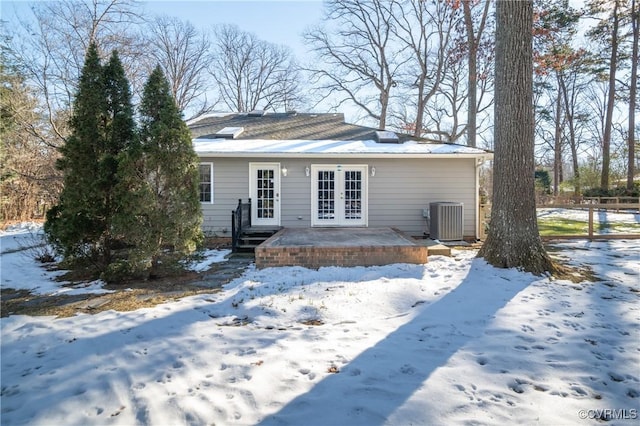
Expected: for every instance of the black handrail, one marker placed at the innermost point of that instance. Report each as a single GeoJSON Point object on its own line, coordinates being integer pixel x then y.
{"type": "Point", "coordinates": [240, 219]}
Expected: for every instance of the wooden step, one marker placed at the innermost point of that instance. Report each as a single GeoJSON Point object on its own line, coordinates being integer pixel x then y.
{"type": "Point", "coordinates": [439, 250]}
{"type": "Point", "coordinates": [261, 230]}
{"type": "Point", "coordinates": [244, 248]}
{"type": "Point", "coordinates": [252, 237]}
{"type": "Point", "coordinates": [255, 237]}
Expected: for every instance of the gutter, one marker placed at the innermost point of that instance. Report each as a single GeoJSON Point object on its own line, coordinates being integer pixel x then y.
{"type": "Point", "coordinates": [481, 156]}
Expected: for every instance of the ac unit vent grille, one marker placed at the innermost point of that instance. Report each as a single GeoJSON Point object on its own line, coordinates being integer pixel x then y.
{"type": "Point", "coordinates": [446, 221]}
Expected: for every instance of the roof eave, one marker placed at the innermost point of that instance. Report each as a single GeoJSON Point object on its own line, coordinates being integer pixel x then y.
{"type": "Point", "coordinates": [481, 155]}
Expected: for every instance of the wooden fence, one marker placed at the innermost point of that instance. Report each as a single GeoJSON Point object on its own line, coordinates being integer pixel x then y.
{"type": "Point", "coordinates": [544, 200]}
{"type": "Point", "coordinates": [614, 200]}
{"type": "Point", "coordinates": [587, 204]}
{"type": "Point", "coordinates": [591, 235]}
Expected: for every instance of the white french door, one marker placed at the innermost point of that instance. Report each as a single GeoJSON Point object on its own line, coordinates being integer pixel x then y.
{"type": "Point", "coordinates": [264, 190]}
{"type": "Point", "coordinates": [339, 195]}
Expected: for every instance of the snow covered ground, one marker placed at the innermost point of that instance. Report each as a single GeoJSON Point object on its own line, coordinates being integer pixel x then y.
{"type": "Point", "coordinates": [19, 244]}
{"type": "Point", "coordinates": [454, 341]}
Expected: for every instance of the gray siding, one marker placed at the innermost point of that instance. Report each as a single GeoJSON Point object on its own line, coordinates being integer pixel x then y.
{"type": "Point", "coordinates": [402, 188]}
{"type": "Point", "coordinates": [230, 182]}
{"type": "Point", "coordinates": [398, 192]}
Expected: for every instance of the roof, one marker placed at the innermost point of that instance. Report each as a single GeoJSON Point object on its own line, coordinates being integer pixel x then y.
{"type": "Point", "coordinates": [329, 148]}
{"type": "Point", "coordinates": [284, 126]}
{"type": "Point", "coordinates": [295, 135]}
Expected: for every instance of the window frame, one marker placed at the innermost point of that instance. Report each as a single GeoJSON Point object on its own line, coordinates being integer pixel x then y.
{"type": "Point", "coordinates": [200, 183]}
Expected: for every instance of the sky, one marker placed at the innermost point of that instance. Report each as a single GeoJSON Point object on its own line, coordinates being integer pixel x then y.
{"type": "Point", "coordinates": [280, 22]}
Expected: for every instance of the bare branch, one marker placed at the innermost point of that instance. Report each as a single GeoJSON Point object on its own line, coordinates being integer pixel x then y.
{"type": "Point", "coordinates": [50, 48]}
{"type": "Point", "coordinates": [358, 47]}
{"type": "Point", "coordinates": [183, 54]}
{"type": "Point", "coordinates": [251, 73]}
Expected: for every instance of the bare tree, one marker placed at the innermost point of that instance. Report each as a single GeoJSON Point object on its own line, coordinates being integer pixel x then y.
{"type": "Point", "coordinates": [549, 124]}
{"type": "Point", "coordinates": [50, 49]}
{"type": "Point", "coordinates": [357, 59]}
{"type": "Point", "coordinates": [613, 62]}
{"type": "Point", "coordinates": [555, 29]}
{"type": "Point", "coordinates": [475, 24]}
{"type": "Point", "coordinates": [445, 100]}
{"type": "Point", "coordinates": [251, 73]}
{"type": "Point", "coordinates": [445, 111]}
{"type": "Point", "coordinates": [513, 239]}
{"type": "Point", "coordinates": [558, 146]}
{"type": "Point", "coordinates": [183, 54]}
{"type": "Point", "coordinates": [424, 30]}
{"type": "Point", "coordinates": [29, 182]}
{"type": "Point", "coordinates": [572, 83]}
{"type": "Point", "coordinates": [635, 24]}
{"type": "Point", "coordinates": [596, 103]}
{"type": "Point", "coordinates": [607, 31]}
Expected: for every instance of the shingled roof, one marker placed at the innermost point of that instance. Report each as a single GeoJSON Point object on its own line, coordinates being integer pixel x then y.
{"type": "Point", "coordinates": [285, 126]}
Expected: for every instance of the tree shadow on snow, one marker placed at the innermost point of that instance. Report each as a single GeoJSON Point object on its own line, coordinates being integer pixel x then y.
{"type": "Point", "coordinates": [136, 348]}
{"type": "Point", "coordinates": [372, 386]}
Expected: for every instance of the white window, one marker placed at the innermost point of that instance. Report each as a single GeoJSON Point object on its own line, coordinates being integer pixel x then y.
{"type": "Point", "coordinates": [206, 182]}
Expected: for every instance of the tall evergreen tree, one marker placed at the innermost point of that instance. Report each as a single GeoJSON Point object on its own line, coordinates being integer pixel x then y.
{"type": "Point", "coordinates": [77, 222]}
{"type": "Point", "coordinates": [121, 137]}
{"type": "Point", "coordinates": [81, 225]}
{"type": "Point", "coordinates": [166, 175]}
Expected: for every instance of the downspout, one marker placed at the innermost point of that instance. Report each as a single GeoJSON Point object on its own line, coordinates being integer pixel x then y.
{"type": "Point", "coordinates": [479, 162]}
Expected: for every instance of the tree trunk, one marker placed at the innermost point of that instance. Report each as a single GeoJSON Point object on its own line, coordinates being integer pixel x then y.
{"type": "Point", "coordinates": [473, 40]}
{"type": "Point", "coordinates": [608, 124]}
{"type": "Point", "coordinates": [635, 21]}
{"type": "Point", "coordinates": [513, 239]}
{"type": "Point", "coordinates": [384, 104]}
{"type": "Point", "coordinates": [557, 147]}
{"type": "Point", "coordinates": [569, 111]}
{"type": "Point", "coordinates": [472, 78]}
{"type": "Point", "coordinates": [420, 109]}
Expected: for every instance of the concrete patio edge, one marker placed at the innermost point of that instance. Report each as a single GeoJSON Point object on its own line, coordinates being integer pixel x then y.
{"type": "Point", "coordinates": [319, 247]}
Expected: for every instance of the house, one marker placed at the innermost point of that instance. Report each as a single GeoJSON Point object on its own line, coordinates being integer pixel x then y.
{"type": "Point", "coordinates": [315, 170]}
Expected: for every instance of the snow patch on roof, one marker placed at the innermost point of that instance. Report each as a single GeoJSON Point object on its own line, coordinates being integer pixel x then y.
{"type": "Point", "coordinates": [262, 146]}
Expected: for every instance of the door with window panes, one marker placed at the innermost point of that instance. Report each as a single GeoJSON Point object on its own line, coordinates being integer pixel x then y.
{"type": "Point", "coordinates": [339, 195]}
{"type": "Point", "coordinates": [265, 194]}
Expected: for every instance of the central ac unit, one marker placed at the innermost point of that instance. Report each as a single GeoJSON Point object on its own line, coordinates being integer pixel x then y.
{"type": "Point", "coordinates": [446, 222]}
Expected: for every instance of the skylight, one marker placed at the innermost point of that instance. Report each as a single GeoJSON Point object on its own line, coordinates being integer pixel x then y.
{"type": "Point", "coordinates": [230, 132]}
{"type": "Point", "coordinates": [384, 136]}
